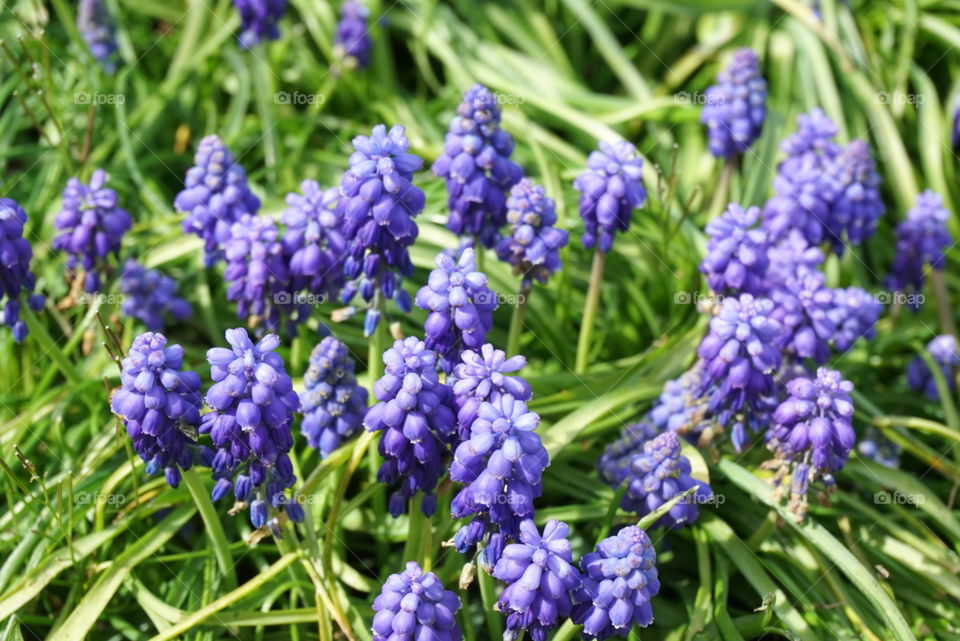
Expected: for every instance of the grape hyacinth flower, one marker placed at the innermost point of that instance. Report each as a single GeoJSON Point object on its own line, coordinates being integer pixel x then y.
{"type": "Point", "coordinates": [741, 353]}
{"type": "Point", "coordinates": [160, 405]}
{"type": "Point", "coordinates": [215, 195]}
{"type": "Point", "coordinates": [854, 315]}
{"type": "Point", "coordinates": [415, 413]}
{"type": "Point", "coordinates": [460, 305]}
{"type": "Point", "coordinates": [252, 401]}
{"type": "Point", "coordinates": [922, 239]}
{"type": "Point", "coordinates": [150, 296]}
{"type": "Point", "coordinates": [736, 106]}
{"type": "Point", "coordinates": [476, 166]}
{"type": "Point", "coordinates": [258, 20]}
{"type": "Point", "coordinates": [91, 226]}
{"type": "Point", "coordinates": [854, 188]}
{"type": "Point", "coordinates": [501, 464]}
{"type": "Point", "coordinates": [617, 456]}
{"type": "Point", "coordinates": [534, 243]}
{"type": "Point", "coordinates": [812, 432]}
{"type": "Point", "coordinates": [98, 30]}
{"type": "Point", "coordinates": [944, 351]}
{"type": "Point", "coordinates": [378, 202]}
{"type": "Point", "coordinates": [610, 190]}
{"type": "Point", "coordinates": [352, 43]}
{"type": "Point", "coordinates": [313, 242]}
{"type": "Point", "coordinates": [791, 257]}
{"type": "Point", "coordinates": [656, 475]}
{"type": "Point", "coordinates": [680, 407]}
{"type": "Point", "coordinates": [15, 275]}
{"type": "Point", "coordinates": [482, 376]}
{"type": "Point", "coordinates": [804, 308]}
{"type": "Point", "coordinates": [736, 260]}
{"type": "Point", "coordinates": [619, 579]}
{"type": "Point", "coordinates": [540, 578]}
{"type": "Point", "coordinates": [878, 448]}
{"type": "Point", "coordinates": [257, 275]}
{"type": "Point", "coordinates": [414, 606]}
{"type": "Point", "coordinates": [333, 403]}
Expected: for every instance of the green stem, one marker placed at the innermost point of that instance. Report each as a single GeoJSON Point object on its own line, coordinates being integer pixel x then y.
{"type": "Point", "coordinates": [589, 312]}
{"type": "Point", "coordinates": [516, 320]}
{"type": "Point", "coordinates": [40, 333]}
{"type": "Point", "coordinates": [722, 195]}
{"type": "Point", "coordinates": [947, 324]}
{"type": "Point", "coordinates": [213, 526]}
{"type": "Point", "coordinates": [489, 598]}
{"type": "Point", "coordinates": [377, 345]}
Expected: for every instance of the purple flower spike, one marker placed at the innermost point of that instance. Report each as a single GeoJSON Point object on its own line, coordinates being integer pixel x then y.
{"type": "Point", "coordinates": [378, 202]}
{"type": "Point", "coordinates": [15, 275]}
{"type": "Point", "coordinates": [215, 196]}
{"type": "Point", "coordinates": [812, 430]}
{"type": "Point", "coordinates": [414, 606]}
{"type": "Point", "coordinates": [481, 376]}
{"type": "Point", "coordinates": [736, 260]}
{"type": "Point", "coordinates": [259, 20]}
{"type": "Point", "coordinates": [150, 296]}
{"type": "Point", "coordinates": [352, 44]}
{"type": "Point", "coordinates": [619, 579]}
{"type": "Point", "coordinates": [91, 226]}
{"type": "Point", "coordinates": [878, 448]}
{"type": "Point", "coordinates": [97, 27]}
{"type": "Point", "coordinates": [252, 402]}
{"type": "Point", "coordinates": [501, 464]}
{"type": "Point", "coordinates": [736, 106]}
{"type": "Point", "coordinates": [476, 166]}
{"type": "Point", "coordinates": [922, 239]}
{"type": "Point", "coordinates": [854, 315]}
{"type": "Point", "coordinates": [415, 414]}
{"type": "Point", "coordinates": [534, 243]}
{"type": "Point", "coordinates": [658, 474]}
{"type": "Point", "coordinates": [540, 578]}
{"type": "Point", "coordinates": [158, 403]}
{"type": "Point", "coordinates": [805, 309]}
{"type": "Point", "coordinates": [680, 407]}
{"type": "Point", "coordinates": [333, 404]}
{"type": "Point", "coordinates": [460, 305]}
{"type": "Point", "coordinates": [791, 257]}
{"type": "Point", "coordinates": [610, 190]}
{"type": "Point", "coordinates": [257, 274]}
{"type": "Point", "coordinates": [944, 351]}
{"type": "Point", "coordinates": [313, 243]}
{"type": "Point", "coordinates": [614, 463]}
{"type": "Point", "coordinates": [854, 188]}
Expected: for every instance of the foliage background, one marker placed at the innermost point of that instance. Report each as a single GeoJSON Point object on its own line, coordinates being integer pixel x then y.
{"type": "Point", "coordinates": [90, 545]}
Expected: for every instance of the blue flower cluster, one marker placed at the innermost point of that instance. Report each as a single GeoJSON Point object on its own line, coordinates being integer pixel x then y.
{"type": "Point", "coordinates": [96, 25]}
{"type": "Point", "coordinates": [922, 239]}
{"type": "Point", "coordinates": [534, 243]}
{"type": "Point", "coordinates": [91, 226]}
{"type": "Point", "coordinates": [482, 376]}
{"type": "Point", "coordinates": [944, 351]}
{"type": "Point", "coordinates": [333, 403]}
{"type": "Point", "coordinates": [736, 106]}
{"type": "Point", "coordinates": [15, 275]}
{"type": "Point", "coordinates": [414, 606]}
{"type": "Point", "coordinates": [610, 190]}
{"type": "Point", "coordinates": [352, 43]}
{"type": "Point", "coordinates": [259, 20]}
{"type": "Point", "coordinates": [150, 296]}
{"type": "Point", "coordinates": [476, 166]}
{"type": "Point", "coordinates": [737, 252]}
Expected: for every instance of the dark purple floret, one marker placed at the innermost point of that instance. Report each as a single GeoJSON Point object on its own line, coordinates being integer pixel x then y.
{"type": "Point", "coordinates": [415, 413]}
{"type": "Point", "coordinates": [501, 464]}
{"type": "Point", "coordinates": [943, 349]}
{"type": "Point", "coordinates": [476, 166]}
{"type": "Point", "coordinates": [16, 278]}
{"type": "Point", "coordinates": [313, 242]}
{"type": "Point", "coordinates": [736, 260]}
{"type": "Point", "coordinates": [736, 106]}
{"type": "Point", "coordinates": [812, 433]}
{"type": "Point", "coordinates": [854, 190]}
{"type": "Point", "coordinates": [91, 226]}
{"type": "Point", "coordinates": [333, 403]}
{"type": "Point", "coordinates": [378, 202]}
{"type": "Point", "coordinates": [854, 315]}
{"type": "Point", "coordinates": [352, 44]}
{"type": "Point", "coordinates": [805, 309]}
{"type": "Point", "coordinates": [150, 296]}
{"type": "Point", "coordinates": [258, 20]}
{"type": "Point", "coordinates": [97, 27]}
{"type": "Point", "coordinates": [541, 580]}
{"type": "Point", "coordinates": [413, 606]}
{"type": "Point", "coordinates": [460, 305]}
{"type": "Point", "coordinates": [159, 405]}
{"type": "Point", "coordinates": [215, 196]}
{"type": "Point", "coordinates": [534, 243]}
{"type": "Point", "coordinates": [481, 376]}
{"type": "Point", "coordinates": [252, 402]}
{"type": "Point", "coordinates": [610, 190]}
{"type": "Point", "coordinates": [922, 239]}
{"type": "Point", "coordinates": [619, 580]}
{"type": "Point", "coordinates": [656, 475]}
